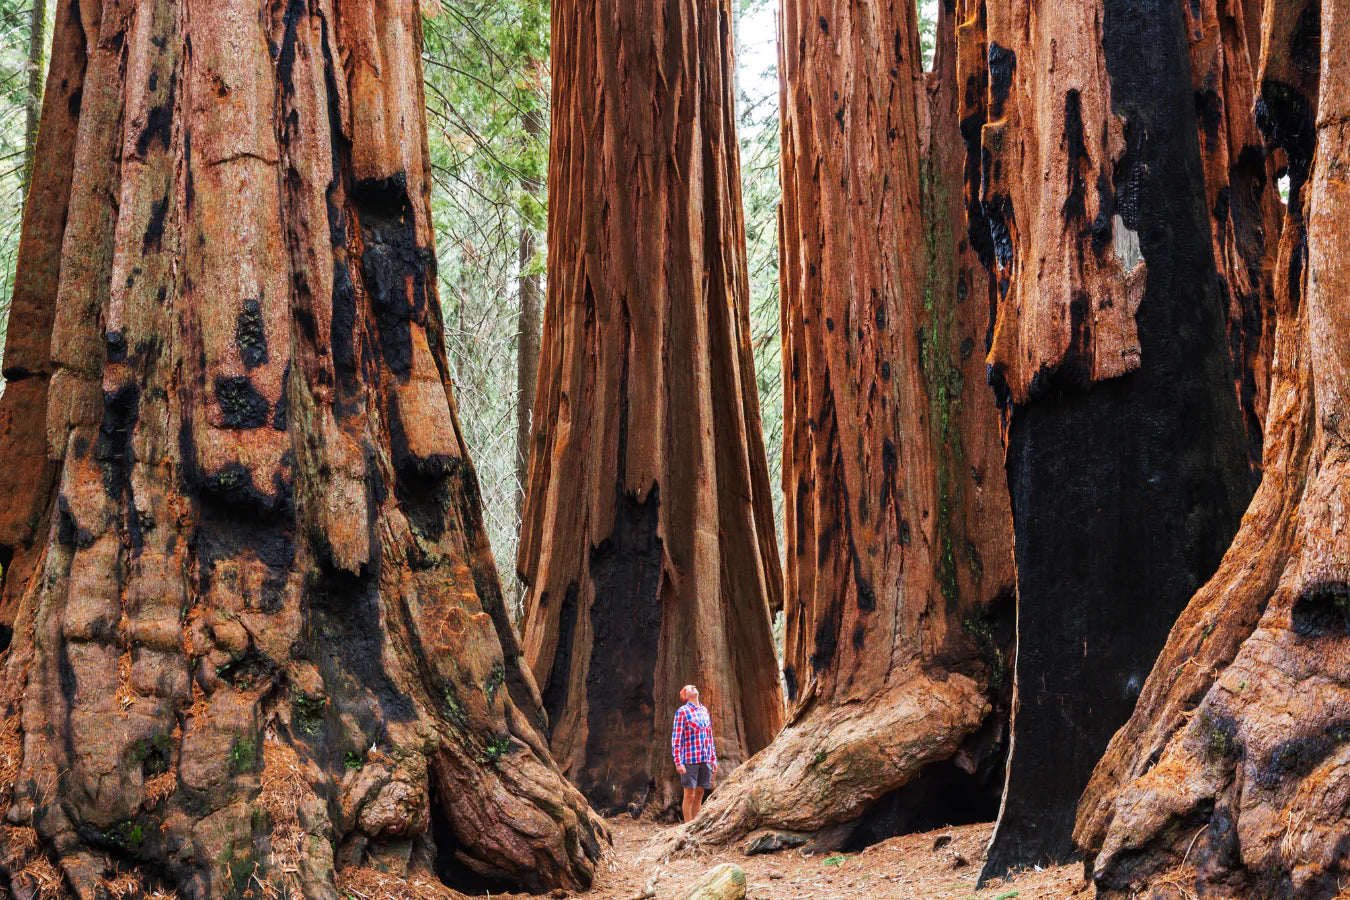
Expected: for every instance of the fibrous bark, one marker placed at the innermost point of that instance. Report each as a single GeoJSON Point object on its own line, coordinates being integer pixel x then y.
{"type": "Point", "coordinates": [1126, 460]}
{"type": "Point", "coordinates": [648, 543]}
{"type": "Point", "coordinates": [258, 637]}
{"type": "Point", "coordinates": [1240, 193]}
{"type": "Point", "coordinates": [1231, 777]}
{"type": "Point", "coordinates": [899, 556]}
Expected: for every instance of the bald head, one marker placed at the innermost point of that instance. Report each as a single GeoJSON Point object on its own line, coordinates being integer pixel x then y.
{"type": "Point", "coordinates": [689, 693]}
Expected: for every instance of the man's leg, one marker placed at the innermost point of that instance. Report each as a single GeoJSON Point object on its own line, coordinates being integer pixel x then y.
{"type": "Point", "coordinates": [692, 800]}
{"type": "Point", "coordinates": [698, 801]}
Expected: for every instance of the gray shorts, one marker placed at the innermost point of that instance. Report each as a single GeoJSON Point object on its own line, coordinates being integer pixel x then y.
{"type": "Point", "coordinates": [697, 775]}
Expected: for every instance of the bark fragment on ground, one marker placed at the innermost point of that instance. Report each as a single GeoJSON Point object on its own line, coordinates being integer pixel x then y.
{"type": "Point", "coordinates": [1231, 777]}
{"type": "Point", "coordinates": [258, 636]}
{"type": "Point", "coordinates": [899, 562]}
{"type": "Point", "coordinates": [1126, 461]}
{"type": "Point", "coordinates": [725, 882]}
{"type": "Point", "coordinates": [648, 543]}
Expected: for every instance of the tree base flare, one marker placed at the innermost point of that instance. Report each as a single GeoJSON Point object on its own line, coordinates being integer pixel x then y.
{"type": "Point", "coordinates": [1233, 776]}
{"type": "Point", "coordinates": [833, 762]}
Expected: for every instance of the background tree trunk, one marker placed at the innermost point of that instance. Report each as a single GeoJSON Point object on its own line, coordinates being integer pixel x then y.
{"type": "Point", "coordinates": [37, 49]}
{"type": "Point", "coordinates": [1126, 461]}
{"type": "Point", "coordinates": [1232, 770]}
{"type": "Point", "coordinates": [648, 542]}
{"type": "Point", "coordinates": [527, 326]}
{"type": "Point", "coordinates": [259, 637]}
{"type": "Point", "coordinates": [899, 562]}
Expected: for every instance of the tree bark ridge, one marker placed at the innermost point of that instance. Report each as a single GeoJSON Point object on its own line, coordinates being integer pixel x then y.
{"type": "Point", "coordinates": [899, 561]}
{"type": "Point", "coordinates": [258, 596]}
{"type": "Point", "coordinates": [1238, 745]}
{"type": "Point", "coordinates": [1126, 461]}
{"type": "Point", "coordinates": [648, 543]}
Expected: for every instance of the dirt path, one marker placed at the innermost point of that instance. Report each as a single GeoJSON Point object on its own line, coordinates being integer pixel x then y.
{"type": "Point", "coordinates": [913, 866]}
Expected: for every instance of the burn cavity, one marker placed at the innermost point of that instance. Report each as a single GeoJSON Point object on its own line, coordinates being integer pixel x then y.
{"type": "Point", "coordinates": [1002, 64]}
{"type": "Point", "coordinates": [626, 620]}
{"type": "Point", "coordinates": [397, 272]}
{"type": "Point", "coordinates": [241, 406]}
{"type": "Point", "coordinates": [250, 336]}
{"type": "Point", "coordinates": [1075, 204]}
{"type": "Point", "coordinates": [420, 482]}
{"type": "Point", "coordinates": [113, 449]}
{"type": "Point", "coordinates": [1323, 608]}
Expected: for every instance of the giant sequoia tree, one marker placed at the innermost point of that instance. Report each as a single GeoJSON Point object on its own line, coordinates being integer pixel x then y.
{"type": "Point", "coordinates": [648, 541]}
{"type": "Point", "coordinates": [899, 557]}
{"type": "Point", "coordinates": [257, 634]}
{"type": "Point", "coordinates": [1233, 770]}
{"type": "Point", "coordinates": [1126, 459]}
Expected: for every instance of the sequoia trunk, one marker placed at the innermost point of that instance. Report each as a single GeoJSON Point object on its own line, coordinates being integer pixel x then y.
{"type": "Point", "coordinates": [1230, 776]}
{"type": "Point", "coordinates": [1126, 459]}
{"type": "Point", "coordinates": [648, 542]}
{"type": "Point", "coordinates": [258, 637]}
{"type": "Point", "coordinates": [899, 562]}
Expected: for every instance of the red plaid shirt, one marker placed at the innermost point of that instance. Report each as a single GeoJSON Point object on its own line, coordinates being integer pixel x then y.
{"type": "Point", "coordinates": [692, 739]}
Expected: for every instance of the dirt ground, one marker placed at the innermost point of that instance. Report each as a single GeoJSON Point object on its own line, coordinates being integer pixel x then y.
{"type": "Point", "coordinates": [929, 866]}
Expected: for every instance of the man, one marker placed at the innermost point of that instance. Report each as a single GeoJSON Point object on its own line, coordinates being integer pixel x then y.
{"type": "Point", "coordinates": [691, 743]}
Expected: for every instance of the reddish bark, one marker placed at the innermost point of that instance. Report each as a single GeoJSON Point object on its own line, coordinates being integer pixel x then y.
{"type": "Point", "coordinates": [258, 638]}
{"type": "Point", "coordinates": [1240, 192]}
{"type": "Point", "coordinates": [1230, 776]}
{"type": "Point", "coordinates": [899, 560]}
{"type": "Point", "coordinates": [648, 541]}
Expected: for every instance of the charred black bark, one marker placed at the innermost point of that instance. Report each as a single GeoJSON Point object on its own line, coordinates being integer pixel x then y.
{"type": "Point", "coordinates": [1125, 492]}
{"type": "Point", "coordinates": [620, 676]}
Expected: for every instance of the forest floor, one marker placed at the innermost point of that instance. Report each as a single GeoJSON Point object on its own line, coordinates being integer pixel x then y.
{"type": "Point", "coordinates": [938, 865]}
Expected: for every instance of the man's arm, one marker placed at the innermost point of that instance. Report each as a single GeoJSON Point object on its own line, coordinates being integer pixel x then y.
{"type": "Point", "coordinates": [712, 748]}
{"type": "Point", "coordinates": [677, 738]}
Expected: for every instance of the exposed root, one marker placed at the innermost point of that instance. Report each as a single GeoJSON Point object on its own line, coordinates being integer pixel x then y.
{"type": "Point", "coordinates": [833, 762]}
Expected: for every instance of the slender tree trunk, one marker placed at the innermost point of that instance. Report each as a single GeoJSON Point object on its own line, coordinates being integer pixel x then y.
{"type": "Point", "coordinates": [648, 544]}
{"type": "Point", "coordinates": [258, 638]}
{"type": "Point", "coordinates": [899, 562]}
{"type": "Point", "coordinates": [1230, 776]}
{"type": "Point", "coordinates": [37, 47]}
{"type": "Point", "coordinates": [527, 326]}
{"type": "Point", "coordinates": [1126, 460]}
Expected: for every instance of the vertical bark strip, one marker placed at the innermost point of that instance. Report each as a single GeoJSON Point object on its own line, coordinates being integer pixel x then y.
{"type": "Point", "coordinates": [1231, 775]}
{"type": "Point", "coordinates": [1241, 195]}
{"type": "Point", "coordinates": [259, 641]}
{"type": "Point", "coordinates": [648, 542]}
{"type": "Point", "coordinates": [898, 531]}
{"type": "Point", "coordinates": [27, 478]}
{"type": "Point", "coordinates": [1126, 461]}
